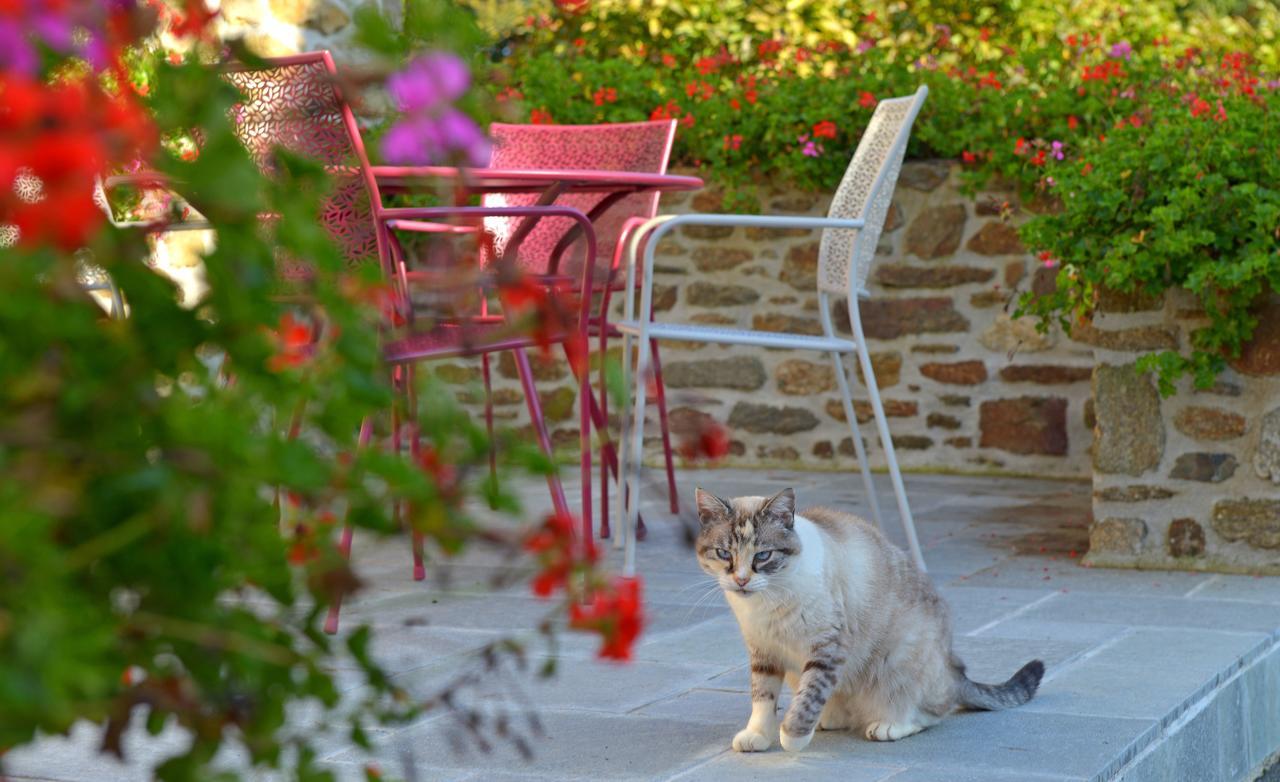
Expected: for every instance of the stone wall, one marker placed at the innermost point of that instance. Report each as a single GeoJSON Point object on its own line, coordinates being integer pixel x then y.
{"type": "Point", "coordinates": [280, 27]}
{"type": "Point", "coordinates": [1191, 481]}
{"type": "Point", "coordinates": [965, 387]}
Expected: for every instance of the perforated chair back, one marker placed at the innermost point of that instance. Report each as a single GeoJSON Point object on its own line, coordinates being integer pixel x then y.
{"type": "Point", "coordinates": [845, 255]}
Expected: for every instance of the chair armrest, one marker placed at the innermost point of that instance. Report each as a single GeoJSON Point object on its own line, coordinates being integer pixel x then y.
{"type": "Point", "coordinates": [652, 231]}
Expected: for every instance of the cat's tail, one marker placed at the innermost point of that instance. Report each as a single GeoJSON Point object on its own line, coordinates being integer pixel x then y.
{"type": "Point", "coordinates": [990, 697]}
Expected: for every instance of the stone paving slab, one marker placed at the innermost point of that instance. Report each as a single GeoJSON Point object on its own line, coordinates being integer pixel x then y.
{"type": "Point", "coordinates": [1151, 675]}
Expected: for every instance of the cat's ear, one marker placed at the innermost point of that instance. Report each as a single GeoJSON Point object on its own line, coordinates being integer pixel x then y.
{"type": "Point", "coordinates": [781, 507]}
{"type": "Point", "coordinates": [712, 509]}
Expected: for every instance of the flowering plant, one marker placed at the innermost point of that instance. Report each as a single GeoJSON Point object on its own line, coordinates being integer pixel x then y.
{"type": "Point", "coordinates": [1179, 193]}
{"type": "Point", "coordinates": [146, 461]}
{"type": "Point", "coordinates": [781, 91]}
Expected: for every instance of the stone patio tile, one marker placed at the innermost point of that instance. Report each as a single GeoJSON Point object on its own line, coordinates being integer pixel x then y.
{"type": "Point", "coordinates": [734, 680]}
{"type": "Point", "coordinates": [585, 684]}
{"type": "Point", "coordinates": [951, 559]}
{"type": "Point", "coordinates": [1159, 611]}
{"type": "Point", "coordinates": [75, 757]}
{"type": "Point", "coordinates": [1089, 633]}
{"type": "Point", "coordinates": [716, 641]}
{"type": "Point", "coordinates": [729, 710]}
{"type": "Point", "coordinates": [575, 745]}
{"type": "Point", "coordinates": [961, 774]}
{"type": "Point", "coordinates": [808, 766]}
{"type": "Point", "coordinates": [1258, 589]}
{"type": "Point", "coordinates": [1016, 741]}
{"type": "Point", "coordinates": [994, 660]}
{"type": "Point", "coordinates": [1182, 665]}
{"type": "Point", "coordinates": [1065, 573]}
{"type": "Point", "coordinates": [974, 607]}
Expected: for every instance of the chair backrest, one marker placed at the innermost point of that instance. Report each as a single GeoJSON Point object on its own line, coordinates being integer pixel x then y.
{"type": "Point", "coordinates": [295, 103]}
{"type": "Point", "coordinates": [643, 147]}
{"type": "Point", "coordinates": [845, 255]}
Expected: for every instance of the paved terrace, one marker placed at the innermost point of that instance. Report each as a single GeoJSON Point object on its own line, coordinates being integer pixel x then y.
{"type": "Point", "coordinates": [1151, 675]}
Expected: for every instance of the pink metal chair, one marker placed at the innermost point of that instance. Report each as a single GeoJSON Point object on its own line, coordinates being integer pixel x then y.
{"type": "Point", "coordinates": [633, 146]}
{"type": "Point", "coordinates": [296, 103]}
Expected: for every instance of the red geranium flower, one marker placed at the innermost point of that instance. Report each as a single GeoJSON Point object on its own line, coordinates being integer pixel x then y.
{"type": "Point", "coordinates": [866, 100]}
{"type": "Point", "coordinates": [824, 129]}
{"type": "Point", "coordinates": [615, 613]}
{"type": "Point", "coordinates": [296, 344]}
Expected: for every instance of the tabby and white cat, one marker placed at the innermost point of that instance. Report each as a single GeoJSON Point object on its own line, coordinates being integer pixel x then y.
{"type": "Point", "coordinates": [860, 635]}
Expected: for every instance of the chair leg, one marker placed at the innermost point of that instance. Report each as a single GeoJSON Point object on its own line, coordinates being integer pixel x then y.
{"type": "Point", "coordinates": [634, 462]}
{"type": "Point", "coordinates": [344, 543]}
{"type": "Point", "coordinates": [891, 459]}
{"type": "Point", "coordinates": [584, 444]}
{"type": "Point", "coordinates": [540, 427]}
{"type": "Point", "coordinates": [842, 380]}
{"type": "Point", "coordinates": [660, 396]}
{"type": "Point", "coordinates": [488, 423]}
{"type": "Point", "coordinates": [604, 426]}
{"type": "Point", "coordinates": [415, 450]}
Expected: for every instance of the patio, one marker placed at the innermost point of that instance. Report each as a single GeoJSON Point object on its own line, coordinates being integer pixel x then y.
{"type": "Point", "coordinates": [1151, 675]}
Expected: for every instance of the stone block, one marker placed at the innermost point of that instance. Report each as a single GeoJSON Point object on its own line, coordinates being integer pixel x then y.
{"type": "Point", "coordinates": [935, 349]}
{"type": "Point", "coordinates": [1204, 467]}
{"type": "Point", "coordinates": [911, 442]}
{"type": "Point", "coordinates": [1132, 493]}
{"type": "Point", "coordinates": [1129, 436]}
{"type": "Point", "coordinates": [1260, 356]}
{"type": "Point", "coordinates": [800, 267]}
{"type": "Point", "coordinates": [743, 373]}
{"type": "Point", "coordinates": [761, 419]}
{"type": "Point", "coordinates": [893, 408]}
{"type": "Point", "coordinates": [942, 421]}
{"type": "Point", "coordinates": [1138, 338]}
{"type": "Point", "coordinates": [893, 318]}
{"type": "Point", "coordinates": [955, 400]}
{"type": "Point", "coordinates": [558, 404]}
{"type": "Point", "coordinates": [1185, 538]}
{"type": "Point", "coordinates": [936, 231]}
{"type": "Point", "coordinates": [1117, 536]}
{"type": "Point", "coordinates": [1006, 335]}
{"type": "Point", "coordinates": [798, 377]}
{"type": "Point", "coordinates": [887, 367]}
{"type": "Point", "coordinates": [1045, 374]}
{"type": "Point", "coordinates": [1014, 271]}
{"type": "Point", "coordinates": [901, 275]}
{"type": "Point", "coordinates": [959, 442]}
{"type": "Point", "coordinates": [716, 258]}
{"type": "Point", "coordinates": [996, 238]}
{"type": "Point", "coordinates": [715, 232]}
{"type": "Point", "coordinates": [1266, 459]}
{"type": "Point", "coordinates": [708, 294]}
{"type": "Point", "coordinates": [963, 373]}
{"type": "Point", "coordinates": [1255, 522]}
{"type": "Point", "coordinates": [925, 176]}
{"type": "Point", "coordinates": [1024, 425]}
{"type": "Point", "coordinates": [788, 324]}
{"type": "Point", "coordinates": [988, 299]}
{"type": "Point", "coordinates": [545, 368]}
{"type": "Point", "coordinates": [328, 18]}
{"type": "Point", "coordinates": [1209, 423]}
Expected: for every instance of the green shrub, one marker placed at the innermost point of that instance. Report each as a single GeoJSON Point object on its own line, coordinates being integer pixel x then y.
{"type": "Point", "coordinates": [1180, 194]}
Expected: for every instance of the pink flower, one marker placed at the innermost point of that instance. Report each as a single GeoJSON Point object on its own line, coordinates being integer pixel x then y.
{"type": "Point", "coordinates": [1121, 51]}
{"type": "Point", "coordinates": [1056, 149]}
{"type": "Point", "coordinates": [432, 130]}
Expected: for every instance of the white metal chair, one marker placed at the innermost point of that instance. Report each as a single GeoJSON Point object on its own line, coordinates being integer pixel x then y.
{"type": "Point", "coordinates": [849, 236]}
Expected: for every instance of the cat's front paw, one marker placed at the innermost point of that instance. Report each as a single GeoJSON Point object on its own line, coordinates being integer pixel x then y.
{"type": "Point", "coordinates": [794, 743]}
{"type": "Point", "coordinates": [750, 740]}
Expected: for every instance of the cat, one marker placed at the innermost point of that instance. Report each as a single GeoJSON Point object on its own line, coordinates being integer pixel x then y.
{"type": "Point", "coordinates": [858, 632]}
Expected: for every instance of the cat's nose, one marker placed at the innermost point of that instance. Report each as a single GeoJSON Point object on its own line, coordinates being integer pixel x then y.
{"type": "Point", "coordinates": [742, 580]}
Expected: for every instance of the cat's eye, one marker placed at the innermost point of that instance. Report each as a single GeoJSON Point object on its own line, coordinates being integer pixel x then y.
{"type": "Point", "coordinates": [723, 554]}
{"type": "Point", "coordinates": [763, 557]}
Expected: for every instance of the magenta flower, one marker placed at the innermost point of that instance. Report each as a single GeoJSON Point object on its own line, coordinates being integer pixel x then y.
{"type": "Point", "coordinates": [1056, 150]}
{"type": "Point", "coordinates": [432, 130]}
{"type": "Point", "coordinates": [864, 45]}
{"type": "Point", "coordinates": [76, 29]}
{"type": "Point", "coordinates": [1121, 51]}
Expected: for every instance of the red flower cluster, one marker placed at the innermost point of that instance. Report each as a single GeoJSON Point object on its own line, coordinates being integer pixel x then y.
{"type": "Point", "coordinates": [866, 100]}
{"type": "Point", "coordinates": [541, 117]}
{"type": "Point", "coordinates": [707, 440]}
{"type": "Point", "coordinates": [615, 613]}
{"type": "Point", "coordinates": [1108, 70]}
{"type": "Point", "coordinates": [54, 141]}
{"type": "Point", "coordinates": [605, 95]}
{"type": "Point", "coordinates": [553, 545]}
{"type": "Point", "coordinates": [295, 341]}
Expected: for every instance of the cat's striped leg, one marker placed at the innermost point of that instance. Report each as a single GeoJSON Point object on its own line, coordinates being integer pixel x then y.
{"type": "Point", "coordinates": [766, 682]}
{"type": "Point", "coordinates": [817, 682]}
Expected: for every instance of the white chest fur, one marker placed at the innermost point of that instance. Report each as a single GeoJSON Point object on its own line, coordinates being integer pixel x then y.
{"type": "Point", "coordinates": [784, 620]}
